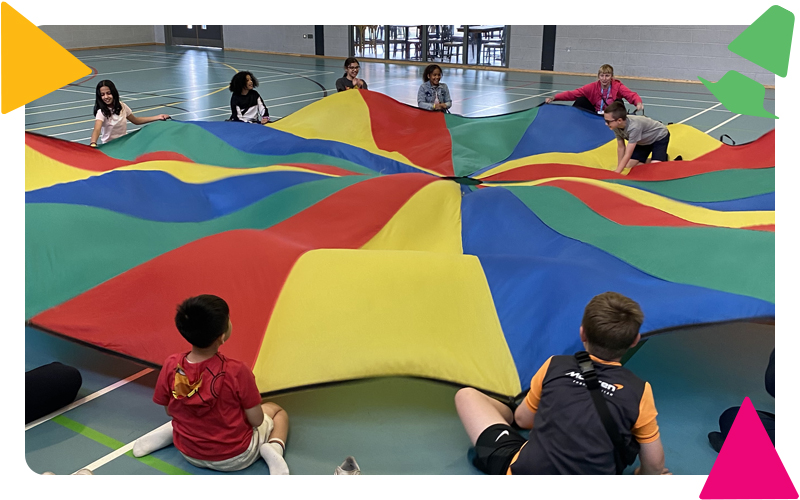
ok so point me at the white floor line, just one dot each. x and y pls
(182, 93)
(111, 456)
(240, 61)
(676, 99)
(76, 91)
(88, 398)
(272, 99)
(721, 124)
(188, 113)
(128, 96)
(101, 56)
(651, 105)
(136, 70)
(507, 103)
(202, 111)
(150, 59)
(700, 113)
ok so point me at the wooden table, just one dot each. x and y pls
(480, 30)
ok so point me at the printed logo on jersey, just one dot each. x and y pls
(608, 389)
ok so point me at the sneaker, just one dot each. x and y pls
(348, 468)
(716, 440)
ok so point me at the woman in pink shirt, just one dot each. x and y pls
(596, 96)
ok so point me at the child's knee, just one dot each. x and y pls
(465, 395)
(272, 409)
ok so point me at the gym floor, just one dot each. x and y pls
(391, 425)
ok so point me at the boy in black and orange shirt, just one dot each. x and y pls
(567, 434)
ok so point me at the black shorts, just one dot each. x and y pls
(495, 448)
(658, 148)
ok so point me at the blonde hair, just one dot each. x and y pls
(606, 68)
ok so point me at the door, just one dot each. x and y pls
(198, 35)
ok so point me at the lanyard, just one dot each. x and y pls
(604, 98)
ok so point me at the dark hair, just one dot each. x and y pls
(349, 61)
(428, 70)
(202, 319)
(99, 105)
(617, 110)
(239, 81)
(611, 322)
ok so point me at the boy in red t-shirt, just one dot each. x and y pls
(218, 421)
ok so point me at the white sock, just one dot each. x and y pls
(153, 440)
(278, 444)
(272, 453)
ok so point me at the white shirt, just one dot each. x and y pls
(114, 126)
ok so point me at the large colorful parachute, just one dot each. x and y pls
(351, 239)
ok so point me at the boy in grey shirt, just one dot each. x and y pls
(644, 136)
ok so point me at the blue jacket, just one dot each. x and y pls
(425, 95)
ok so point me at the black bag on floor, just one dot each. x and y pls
(48, 388)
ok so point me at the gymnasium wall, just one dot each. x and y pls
(525, 47)
(336, 41)
(77, 37)
(159, 33)
(285, 39)
(671, 52)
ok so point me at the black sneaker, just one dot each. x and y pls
(716, 440)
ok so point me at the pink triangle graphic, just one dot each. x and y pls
(748, 465)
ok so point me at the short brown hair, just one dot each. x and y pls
(617, 110)
(611, 322)
(606, 68)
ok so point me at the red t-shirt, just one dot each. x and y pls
(207, 405)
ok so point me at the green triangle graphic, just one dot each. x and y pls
(739, 94)
(767, 41)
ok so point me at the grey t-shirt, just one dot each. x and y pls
(343, 84)
(642, 130)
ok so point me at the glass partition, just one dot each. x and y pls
(474, 45)
(367, 41)
(405, 42)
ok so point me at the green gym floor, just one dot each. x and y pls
(391, 425)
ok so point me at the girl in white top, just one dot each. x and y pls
(111, 116)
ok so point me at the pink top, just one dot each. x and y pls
(594, 92)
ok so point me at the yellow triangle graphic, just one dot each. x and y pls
(25, 50)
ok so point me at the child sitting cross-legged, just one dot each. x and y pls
(218, 421)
